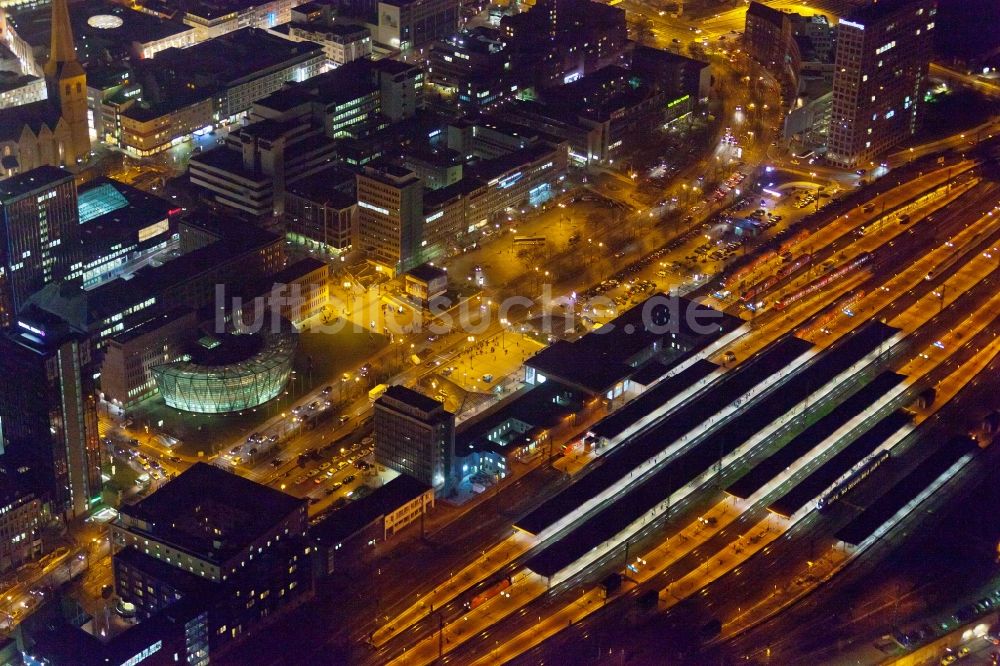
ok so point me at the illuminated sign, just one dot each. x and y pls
(145, 654)
(34, 330)
(435, 216)
(679, 100)
(377, 209)
(153, 230)
(509, 180)
(852, 24)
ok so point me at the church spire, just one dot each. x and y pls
(62, 50)
(66, 82)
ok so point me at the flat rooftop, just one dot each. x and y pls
(905, 490)
(31, 181)
(632, 452)
(214, 513)
(230, 59)
(538, 406)
(347, 521)
(810, 487)
(601, 358)
(701, 456)
(851, 408)
(655, 397)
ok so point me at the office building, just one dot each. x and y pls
(344, 539)
(40, 234)
(558, 41)
(414, 435)
(22, 517)
(49, 416)
(401, 88)
(105, 31)
(342, 42)
(321, 211)
(216, 254)
(235, 548)
(215, 19)
(883, 52)
(213, 82)
(390, 217)
(17, 89)
(408, 24)
(477, 64)
(129, 357)
(251, 173)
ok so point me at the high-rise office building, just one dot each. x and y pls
(390, 216)
(48, 417)
(883, 51)
(414, 435)
(39, 229)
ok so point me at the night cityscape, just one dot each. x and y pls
(539, 332)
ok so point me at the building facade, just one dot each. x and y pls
(883, 53)
(390, 217)
(40, 225)
(129, 358)
(415, 435)
(49, 416)
(235, 548)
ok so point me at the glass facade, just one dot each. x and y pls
(217, 389)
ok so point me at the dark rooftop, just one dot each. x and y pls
(655, 397)
(761, 10)
(805, 441)
(878, 9)
(355, 516)
(633, 451)
(30, 181)
(212, 512)
(326, 187)
(696, 459)
(905, 490)
(410, 397)
(539, 406)
(609, 349)
(426, 272)
(233, 57)
(810, 487)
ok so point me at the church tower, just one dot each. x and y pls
(67, 85)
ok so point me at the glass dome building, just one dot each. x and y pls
(229, 372)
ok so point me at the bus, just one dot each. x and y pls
(529, 240)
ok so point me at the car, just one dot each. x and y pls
(341, 420)
(963, 652)
(948, 659)
(318, 480)
(325, 466)
(341, 464)
(329, 491)
(275, 463)
(367, 440)
(174, 459)
(336, 485)
(311, 473)
(300, 479)
(349, 479)
(327, 390)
